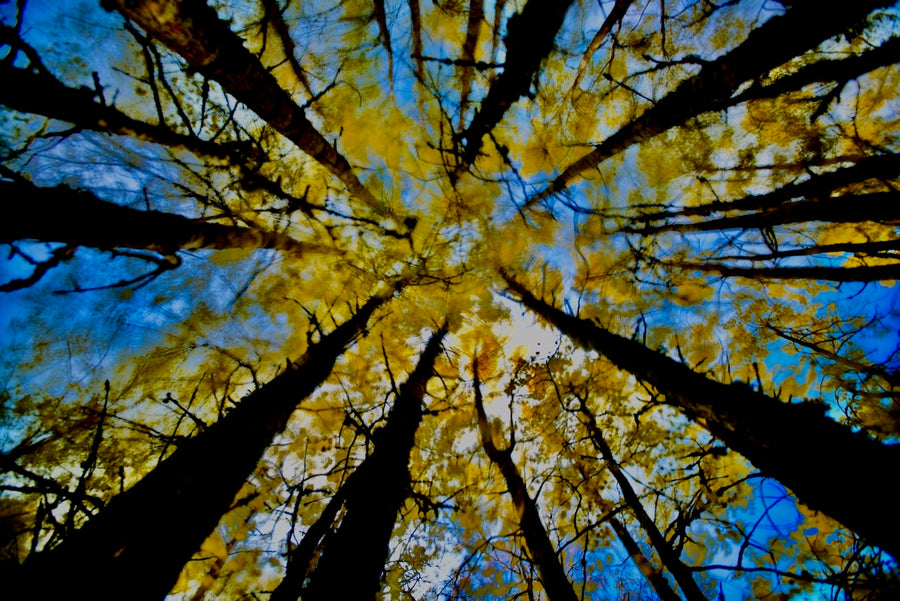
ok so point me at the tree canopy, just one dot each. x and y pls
(436, 299)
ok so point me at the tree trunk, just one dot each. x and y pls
(529, 39)
(37, 92)
(653, 575)
(860, 273)
(467, 57)
(138, 544)
(194, 31)
(77, 217)
(851, 208)
(840, 71)
(884, 166)
(882, 250)
(615, 16)
(300, 558)
(713, 87)
(354, 556)
(682, 573)
(550, 570)
(829, 467)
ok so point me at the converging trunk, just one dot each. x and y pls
(138, 544)
(667, 554)
(354, 556)
(712, 89)
(79, 218)
(529, 39)
(829, 467)
(653, 575)
(550, 570)
(194, 31)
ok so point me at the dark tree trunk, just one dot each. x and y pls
(850, 208)
(615, 16)
(138, 544)
(682, 573)
(550, 570)
(384, 33)
(840, 71)
(885, 249)
(195, 32)
(275, 16)
(862, 273)
(653, 575)
(354, 556)
(79, 218)
(886, 166)
(529, 39)
(300, 558)
(829, 467)
(467, 56)
(33, 91)
(712, 89)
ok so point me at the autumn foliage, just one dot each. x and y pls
(444, 299)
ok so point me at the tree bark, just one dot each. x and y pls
(77, 217)
(354, 556)
(194, 31)
(467, 56)
(138, 544)
(385, 34)
(885, 249)
(653, 575)
(550, 570)
(614, 17)
(529, 39)
(682, 573)
(829, 467)
(881, 207)
(713, 87)
(884, 166)
(862, 273)
(300, 558)
(275, 16)
(39, 93)
(840, 71)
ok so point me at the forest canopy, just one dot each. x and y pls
(445, 299)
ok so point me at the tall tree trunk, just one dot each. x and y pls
(712, 89)
(275, 16)
(859, 273)
(882, 166)
(35, 91)
(614, 17)
(467, 57)
(682, 573)
(840, 71)
(194, 31)
(884, 249)
(79, 218)
(830, 468)
(384, 33)
(529, 39)
(653, 575)
(138, 544)
(354, 556)
(849, 208)
(301, 557)
(550, 570)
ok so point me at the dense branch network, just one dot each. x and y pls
(320, 427)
